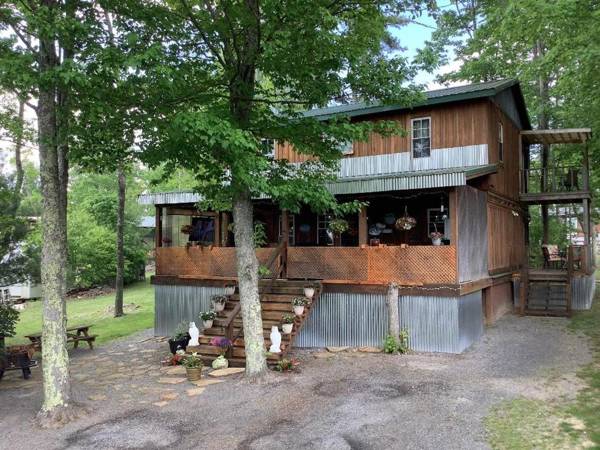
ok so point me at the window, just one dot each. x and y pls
(268, 146)
(421, 137)
(291, 228)
(500, 142)
(324, 234)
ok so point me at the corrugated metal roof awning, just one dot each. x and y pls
(558, 136)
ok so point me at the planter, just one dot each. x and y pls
(287, 328)
(437, 241)
(193, 374)
(218, 307)
(229, 290)
(298, 310)
(309, 292)
(220, 363)
(207, 324)
(178, 344)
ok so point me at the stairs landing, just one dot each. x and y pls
(548, 293)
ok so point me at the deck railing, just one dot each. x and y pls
(413, 265)
(555, 179)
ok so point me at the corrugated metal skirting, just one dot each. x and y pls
(583, 289)
(174, 304)
(434, 324)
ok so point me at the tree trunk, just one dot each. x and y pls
(393, 314)
(543, 122)
(18, 160)
(57, 407)
(120, 234)
(247, 269)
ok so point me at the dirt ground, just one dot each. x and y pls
(345, 400)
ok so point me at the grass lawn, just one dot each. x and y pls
(533, 424)
(96, 311)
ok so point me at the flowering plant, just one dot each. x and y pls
(220, 299)
(192, 361)
(436, 235)
(299, 301)
(208, 315)
(287, 318)
(222, 343)
(176, 359)
(287, 365)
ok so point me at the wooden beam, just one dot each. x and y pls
(217, 232)
(157, 227)
(453, 211)
(285, 225)
(224, 229)
(362, 226)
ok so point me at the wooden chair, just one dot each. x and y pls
(553, 257)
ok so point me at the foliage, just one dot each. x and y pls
(260, 235)
(181, 331)
(287, 318)
(176, 359)
(222, 343)
(286, 365)
(403, 341)
(390, 344)
(13, 230)
(8, 319)
(208, 315)
(192, 361)
(300, 301)
(338, 226)
(264, 271)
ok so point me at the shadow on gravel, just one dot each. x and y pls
(134, 431)
(376, 391)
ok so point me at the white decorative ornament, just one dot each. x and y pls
(275, 340)
(194, 334)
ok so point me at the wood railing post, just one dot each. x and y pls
(524, 287)
(568, 290)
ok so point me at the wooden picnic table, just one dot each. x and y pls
(74, 334)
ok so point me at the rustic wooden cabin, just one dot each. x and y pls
(461, 171)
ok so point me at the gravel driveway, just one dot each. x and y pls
(346, 400)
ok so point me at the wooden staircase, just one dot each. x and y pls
(276, 300)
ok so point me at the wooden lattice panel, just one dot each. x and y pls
(328, 263)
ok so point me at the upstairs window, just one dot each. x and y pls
(500, 142)
(268, 147)
(346, 148)
(421, 137)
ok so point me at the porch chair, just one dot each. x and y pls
(553, 257)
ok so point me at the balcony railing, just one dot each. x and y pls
(555, 179)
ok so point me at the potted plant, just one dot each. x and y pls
(207, 318)
(223, 345)
(229, 289)
(299, 303)
(436, 238)
(8, 319)
(218, 302)
(287, 323)
(180, 337)
(193, 366)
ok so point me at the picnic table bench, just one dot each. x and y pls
(74, 335)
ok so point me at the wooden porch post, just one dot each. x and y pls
(453, 211)
(362, 226)
(158, 227)
(217, 238)
(586, 234)
(285, 225)
(224, 229)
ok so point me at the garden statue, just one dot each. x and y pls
(194, 334)
(275, 340)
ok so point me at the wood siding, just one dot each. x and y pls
(452, 125)
(506, 234)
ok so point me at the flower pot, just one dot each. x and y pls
(437, 241)
(229, 290)
(287, 328)
(299, 310)
(220, 363)
(178, 344)
(207, 323)
(309, 292)
(193, 374)
(218, 307)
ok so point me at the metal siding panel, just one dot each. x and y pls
(473, 231)
(470, 319)
(583, 289)
(173, 304)
(431, 322)
(342, 319)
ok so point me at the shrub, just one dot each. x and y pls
(8, 319)
(390, 344)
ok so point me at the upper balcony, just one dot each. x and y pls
(557, 183)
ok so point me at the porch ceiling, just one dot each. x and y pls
(558, 136)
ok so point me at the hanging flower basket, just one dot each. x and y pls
(406, 222)
(187, 229)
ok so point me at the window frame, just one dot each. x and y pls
(324, 219)
(430, 213)
(413, 138)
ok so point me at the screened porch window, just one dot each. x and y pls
(421, 137)
(324, 234)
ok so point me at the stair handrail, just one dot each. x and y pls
(278, 254)
(228, 325)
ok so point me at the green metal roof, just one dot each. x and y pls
(435, 97)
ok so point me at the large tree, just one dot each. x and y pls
(228, 74)
(39, 49)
